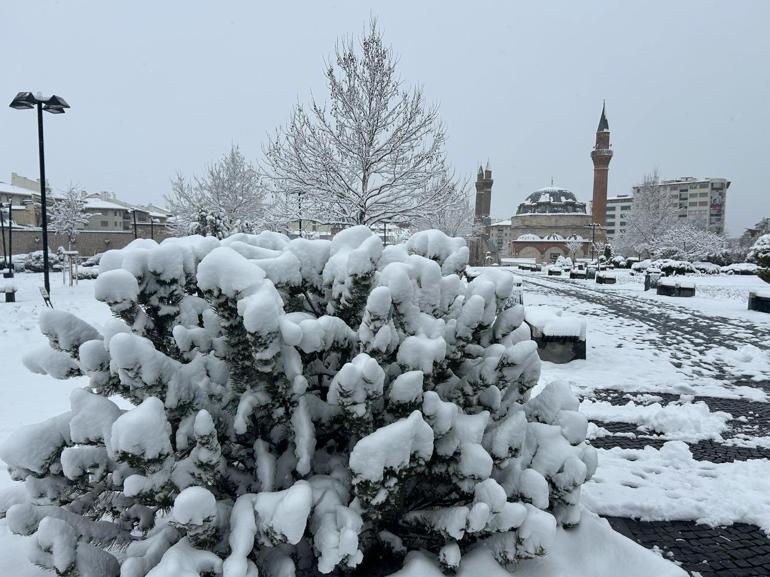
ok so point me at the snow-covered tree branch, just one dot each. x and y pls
(374, 153)
(229, 198)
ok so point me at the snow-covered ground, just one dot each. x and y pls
(654, 484)
(627, 355)
(26, 397)
(725, 295)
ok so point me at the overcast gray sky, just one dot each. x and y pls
(157, 87)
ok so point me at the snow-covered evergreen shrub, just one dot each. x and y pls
(760, 254)
(298, 406)
(33, 262)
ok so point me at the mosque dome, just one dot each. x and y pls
(552, 200)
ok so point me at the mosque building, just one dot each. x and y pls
(552, 222)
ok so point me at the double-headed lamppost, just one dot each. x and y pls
(55, 105)
(593, 226)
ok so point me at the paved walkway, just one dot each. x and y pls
(685, 334)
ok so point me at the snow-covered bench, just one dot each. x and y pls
(529, 266)
(605, 278)
(577, 273)
(559, 339)
(759, 301)
(10, 291)
(676, 287)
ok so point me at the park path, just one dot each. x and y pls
(685, 335)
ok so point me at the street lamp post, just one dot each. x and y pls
(10, 237)
(55, 105)
(299, 203)
(593, 226)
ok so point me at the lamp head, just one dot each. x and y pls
(55, 105)
(24, 100)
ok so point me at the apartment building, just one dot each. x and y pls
(618, 209)
(698, 201)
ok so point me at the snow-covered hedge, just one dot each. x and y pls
(33, 261)
(299, 406)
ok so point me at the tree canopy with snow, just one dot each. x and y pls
(653, 213)
(294, 408)
(229, 198)
(688, 242)
(67, 214)
(375, 152)
(653, 228)
(760, 254)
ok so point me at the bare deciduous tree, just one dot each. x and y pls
(653, 213)
(229, 198)
(375, 153)
(573, 246)
(455, 218)
(67, 214)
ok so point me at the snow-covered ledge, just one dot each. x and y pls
(559, 339)
(759, 301)
(9, 289)
(676, 287)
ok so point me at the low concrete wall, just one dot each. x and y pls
(88, 242)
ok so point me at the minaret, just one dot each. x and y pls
(601, 156)
(483, 193)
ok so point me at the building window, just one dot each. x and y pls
(104, 223)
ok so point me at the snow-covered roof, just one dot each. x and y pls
(101, 204)
(13, 189)
(551, 200)
(502, 223)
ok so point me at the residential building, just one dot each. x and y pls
(618, 209)
(24, 195)
(698, 201)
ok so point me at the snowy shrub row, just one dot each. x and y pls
(298, 407)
